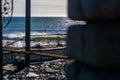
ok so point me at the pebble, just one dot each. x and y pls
(49, 70)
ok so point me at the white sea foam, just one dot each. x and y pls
(33, 43)
(14, 35)
(38, 33)
(17, 44)
(21, 34)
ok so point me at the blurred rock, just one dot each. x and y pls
(48, 70)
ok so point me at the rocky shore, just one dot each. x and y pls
(48, 70)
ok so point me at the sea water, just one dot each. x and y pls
(39, 26)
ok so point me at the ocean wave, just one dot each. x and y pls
(14, 35)
(33, 43)
(39, 33)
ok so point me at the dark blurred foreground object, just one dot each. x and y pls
(20, 63)
(94, 9)
(96, 45)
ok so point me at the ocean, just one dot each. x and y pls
(39, 26)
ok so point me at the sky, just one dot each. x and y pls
(42, 8)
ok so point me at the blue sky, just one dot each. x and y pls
(42, 8)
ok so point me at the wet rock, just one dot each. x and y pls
(9, 67)
(49, 70)
(19, 62)
(32, 66)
